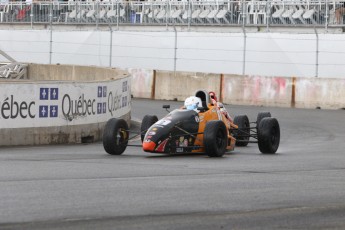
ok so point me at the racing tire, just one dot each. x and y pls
(243, 132)
(215, 138)
(268, 135)
(115, 136)
(261, 115)
(146, 123)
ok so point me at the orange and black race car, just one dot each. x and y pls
(204, 130)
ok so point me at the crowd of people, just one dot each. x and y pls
(336, 10)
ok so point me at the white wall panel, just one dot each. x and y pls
(267, 54)
(81, 47)
(281, 54)
(210, 52)
(143, 50)
(332, 55)
(26, 45)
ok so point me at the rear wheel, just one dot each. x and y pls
(261, 115)
(243, 132)
(268, 135)
(215, 138)
(115, 136)
(147, 122)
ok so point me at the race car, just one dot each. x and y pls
(204, 129)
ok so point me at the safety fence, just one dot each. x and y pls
(320, 13)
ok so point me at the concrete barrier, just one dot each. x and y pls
(170, 86)
(256, 90)
(62, 104)
(320, 93)
(72, 73)
(326, 93)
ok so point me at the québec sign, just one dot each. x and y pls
(57, 104)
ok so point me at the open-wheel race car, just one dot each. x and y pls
(204, 129)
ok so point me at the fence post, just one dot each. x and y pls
(244, 51)
(189, 15)
(268, 15)
(32, 14)
(111, 45)
(175, 50)
(51, 33)
(118, 15)
(244, 14)
(326, 16)
(167, 11)
(97, 14)
(317, 54)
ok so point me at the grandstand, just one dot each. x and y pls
(321, 13)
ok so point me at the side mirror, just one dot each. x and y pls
(166, 107)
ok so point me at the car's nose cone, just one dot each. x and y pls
(149, 146)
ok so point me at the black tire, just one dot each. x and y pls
(243, 132)
(147, 122)
(261, 115)
(115, 136)
(268, 135)
(215, 138)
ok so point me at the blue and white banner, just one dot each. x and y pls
(24, 105)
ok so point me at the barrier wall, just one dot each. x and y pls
(73, 110)
(248, 90)
(169, 86)
(256, 67)
(73, 72)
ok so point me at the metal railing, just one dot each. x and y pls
(14, 70)
(186, 13)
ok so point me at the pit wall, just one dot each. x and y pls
(73, 106)
(242, 90)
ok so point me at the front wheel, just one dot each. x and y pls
(115, 136)
(147, 122)
(268, 135)
(215, 138)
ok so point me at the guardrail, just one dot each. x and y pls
(321, 13)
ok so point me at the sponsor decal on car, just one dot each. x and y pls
(163, 122)
(182, 142)
(179, 150)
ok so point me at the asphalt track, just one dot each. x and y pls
(81, 187)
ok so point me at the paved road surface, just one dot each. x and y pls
(81, 187)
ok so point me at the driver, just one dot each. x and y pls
(192, 103)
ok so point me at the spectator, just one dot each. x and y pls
(339, 13)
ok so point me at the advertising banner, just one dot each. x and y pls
(45, 104)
